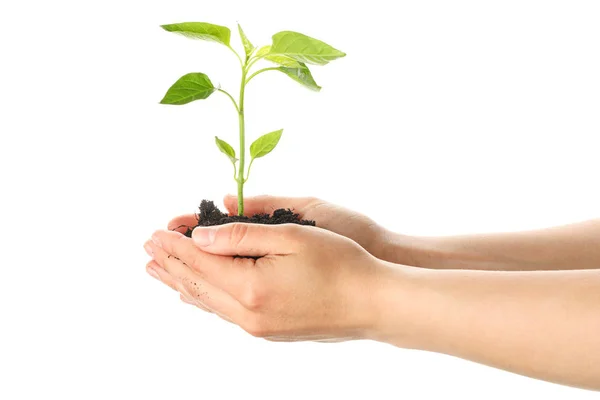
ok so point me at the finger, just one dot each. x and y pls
(166, 278)
(194, 303)
(159, 273)
(225, 273)
(202, 307)
(244, 239)
(186, 300)
(267, 204)
(192, 286)
(182, 222)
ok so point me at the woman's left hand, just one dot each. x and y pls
(279, 282)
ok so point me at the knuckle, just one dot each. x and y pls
(197, 261)
(178, 244)
(254, 296)
(186, 253)
(237, 233)
(292, 232)
(314, 203)
(314, 200)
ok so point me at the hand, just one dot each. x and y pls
(303, 283)
(358, 227)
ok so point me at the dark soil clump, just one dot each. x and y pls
(210, 215)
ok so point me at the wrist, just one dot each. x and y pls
(398, 306)
(405, 250)
(429, 252)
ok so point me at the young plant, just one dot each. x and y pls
(289, 51)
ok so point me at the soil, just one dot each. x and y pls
(210, 215)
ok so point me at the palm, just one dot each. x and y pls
(340, 220)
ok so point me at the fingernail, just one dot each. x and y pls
(148, 249)
(204, 236)
(153, 273)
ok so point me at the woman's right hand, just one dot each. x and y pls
(353, 225)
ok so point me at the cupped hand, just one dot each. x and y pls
(280, 282)
(353, 225)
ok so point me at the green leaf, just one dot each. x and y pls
(301, 75)
(265, 144)
(190, 87)
(304, 48)
(202, 31)
(226, 149)
(284, 61)
(262, 51)
(248, 47)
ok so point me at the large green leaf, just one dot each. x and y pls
(226, 149)
(248, 47)
(301, 75)
(190, 87)
(284, 61)
(265, 144)
(202, 31)
(304, 48)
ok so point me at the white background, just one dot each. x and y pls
(444, 118)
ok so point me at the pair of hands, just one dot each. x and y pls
(303, 283)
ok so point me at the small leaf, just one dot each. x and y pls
(190, 87)
(304, 48)
(301, 75)
(202, 31)
(248, 47)
(263, 51)
(284, 61)
(265, 144)
(226, 149)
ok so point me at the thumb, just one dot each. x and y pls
(243, 239)
(266, 204)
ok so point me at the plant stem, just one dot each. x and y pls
(237, 55)
(240, 177)
(260, 71)
(253, 61)
(248, 173)
(232, 99)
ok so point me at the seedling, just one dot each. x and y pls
(290, 52)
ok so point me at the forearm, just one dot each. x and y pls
(540, 324)
(575, 246)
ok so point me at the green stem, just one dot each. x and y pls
(249, 168)
(237, 55)
(232, 99)
(253, 61)
(240, 177)
(261, 71)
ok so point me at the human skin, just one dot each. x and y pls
(525, 316)
(573, 246)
